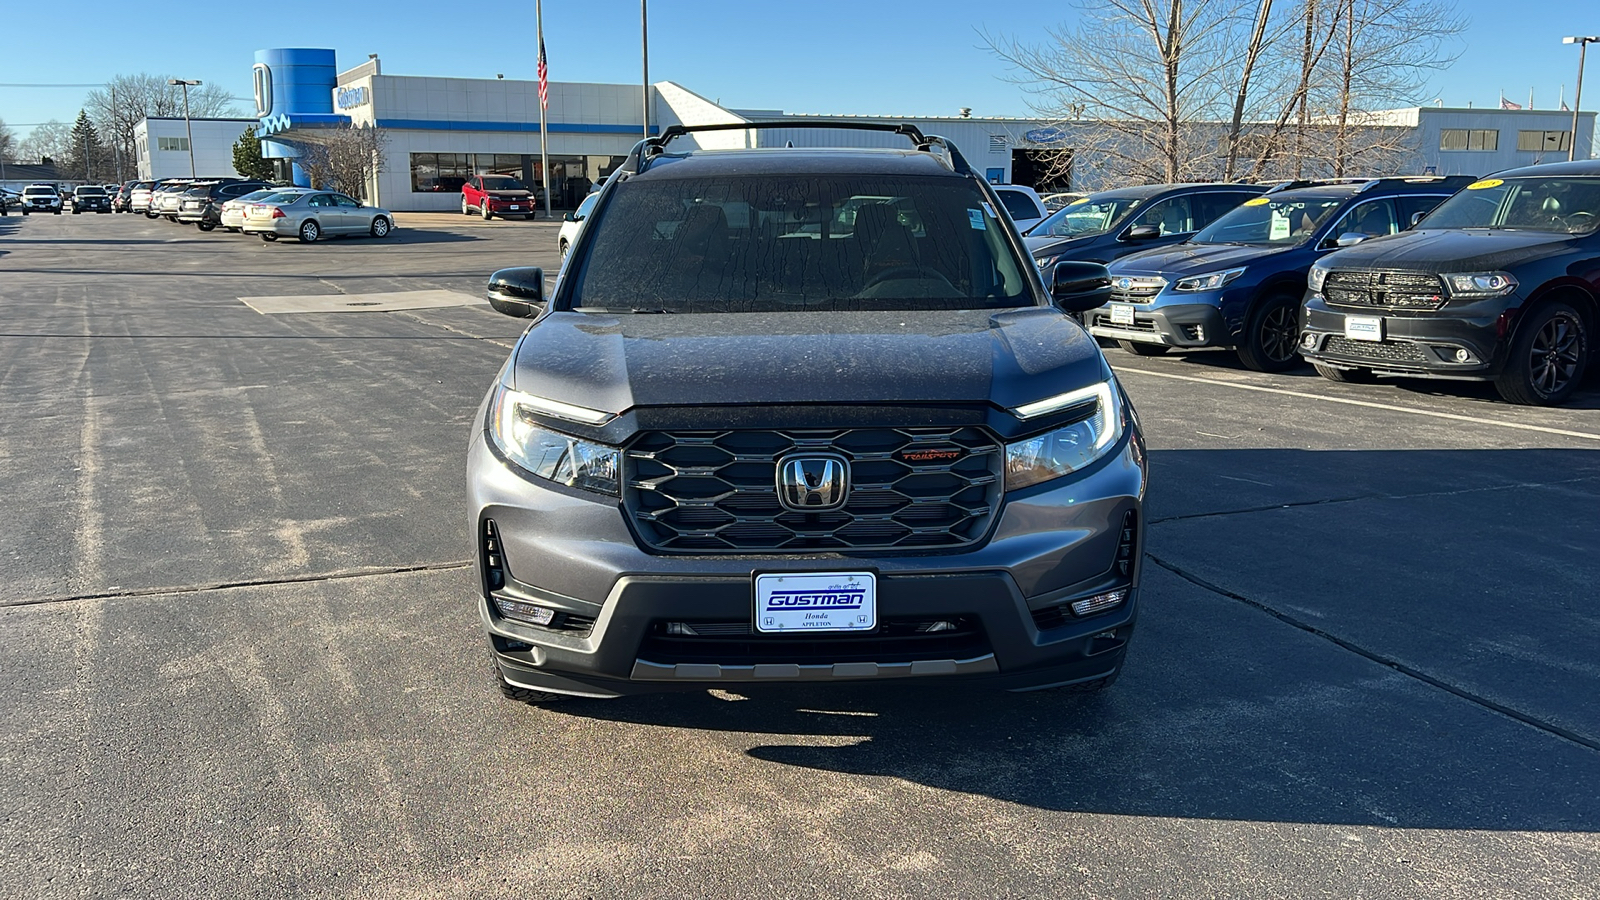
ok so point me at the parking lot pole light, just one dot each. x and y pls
(644, 49)
(187, 129)
(1577, 97)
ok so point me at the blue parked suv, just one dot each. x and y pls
(1238, 283)
(1112, 224)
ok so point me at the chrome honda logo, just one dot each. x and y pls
(813, 483)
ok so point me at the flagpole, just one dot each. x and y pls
(544, 133)
(644, 46)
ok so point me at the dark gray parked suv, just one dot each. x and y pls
(795, 415)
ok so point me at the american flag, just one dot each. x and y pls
(1507, 104)
(544, 76)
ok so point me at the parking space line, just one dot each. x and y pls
(1369, 404)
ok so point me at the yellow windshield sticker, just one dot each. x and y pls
(1079, 200)
(1257, 201)
(1486, 183)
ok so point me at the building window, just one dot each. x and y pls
(172, 143)
(1544, 141)
(1469, 139)
(440, 173)
(571, 177)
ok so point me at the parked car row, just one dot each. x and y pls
(1494, 279)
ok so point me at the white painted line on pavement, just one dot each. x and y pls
(1367, 403)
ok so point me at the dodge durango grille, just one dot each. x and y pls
(1398, 290)
(910, 488)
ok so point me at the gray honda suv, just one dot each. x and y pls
(794, 415)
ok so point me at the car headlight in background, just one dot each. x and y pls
(1070, 448)
(549, 454)
(1209, 281)
(1316, 277)
(1479, 285)
(1045, 262)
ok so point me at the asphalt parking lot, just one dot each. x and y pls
(238, 656)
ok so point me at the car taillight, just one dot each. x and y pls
(277, 213)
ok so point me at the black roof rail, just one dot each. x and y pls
(1450, 181)
(1313, 182)
(639, 157)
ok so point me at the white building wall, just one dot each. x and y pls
(213, 147)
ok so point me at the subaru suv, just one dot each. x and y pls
(1501, 283)
(750, 439)
(1238, 282)
(1109, 225)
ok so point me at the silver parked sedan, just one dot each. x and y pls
(310, 215)
(232, 213)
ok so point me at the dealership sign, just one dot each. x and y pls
(1049, 135)
(350, 98)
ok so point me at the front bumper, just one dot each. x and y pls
(1416, 343)
(1176, 325)
(1052, 544)
(506, 207)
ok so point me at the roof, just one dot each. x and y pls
(795, 161)
(1576, 167)
(1142, 191)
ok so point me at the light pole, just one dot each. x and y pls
(1577, 98)
(644, 46)
(187, 129)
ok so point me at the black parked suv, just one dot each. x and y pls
(1239, 282)
(1109, 225)
(201, 205)
(1500, 283)
(803, 415)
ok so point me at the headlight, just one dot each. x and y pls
(1045, 262)
(1208, 282)
(1317, 275)
(1068, 449)
(1476, 285)
(549, 454)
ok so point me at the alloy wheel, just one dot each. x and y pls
(1554, 357)
(1280, 332)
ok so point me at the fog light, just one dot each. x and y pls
(523, 611)
(1099, 602)
(1463, 356)
(929, 627)
(1308, 341)
(680, 629)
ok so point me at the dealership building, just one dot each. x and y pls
(441, 131)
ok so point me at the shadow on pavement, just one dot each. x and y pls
(1227, 712)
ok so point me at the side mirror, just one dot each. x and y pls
(567, 217)
(1417, 217)
(1080, 286)
(1350, 239)
(1142, 233)
(517, 292)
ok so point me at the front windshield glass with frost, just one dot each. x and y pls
(818, 243)
(1086, 217)
(502, 183)
(91, 191)
(1559, 205)
(1280, 221)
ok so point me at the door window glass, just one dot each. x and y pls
(1170, 215)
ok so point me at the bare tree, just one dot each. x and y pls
(346, 158)
(8, 142)
(149, 96)
(51, 140)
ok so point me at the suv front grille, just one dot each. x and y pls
(1398, 351)
(1399, 290)
(896, 640)
(716, 491)
(1138, 289)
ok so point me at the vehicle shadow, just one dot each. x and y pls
(1225, 711)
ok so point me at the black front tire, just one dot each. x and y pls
(519, 694)
(1547, 359)
(204, 226)
(1140, 348)
(269, 238)
(380, 227)
(1271, 338)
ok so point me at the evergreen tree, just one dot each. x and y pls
(86, 155)
(247, 160)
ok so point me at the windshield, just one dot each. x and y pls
(284, 197)
(1282, 221)
(502, 183)
(38, 190)
(1086, 216)
(766, 244)
(256, 195)
(1560, 205)
(91, 190)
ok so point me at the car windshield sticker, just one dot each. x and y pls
(1257, 201)
(989, 208)
(1280, 226)
(975, 216)
(1486, 183)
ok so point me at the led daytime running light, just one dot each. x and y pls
(564, 410)
(1100, 392)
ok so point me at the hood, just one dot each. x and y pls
(1009, 357)
(1449, 250)
(1038, 245)
(509, 195)
(1192, 259)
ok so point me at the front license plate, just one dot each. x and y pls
(1121, 314)
(1363, 328)
(816, 601)
(514, 207)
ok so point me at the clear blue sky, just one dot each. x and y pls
(819, 56)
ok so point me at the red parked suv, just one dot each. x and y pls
(497, 195)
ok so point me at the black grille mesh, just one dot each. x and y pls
(1398, 351)
(911, 488)
(1397, 290)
